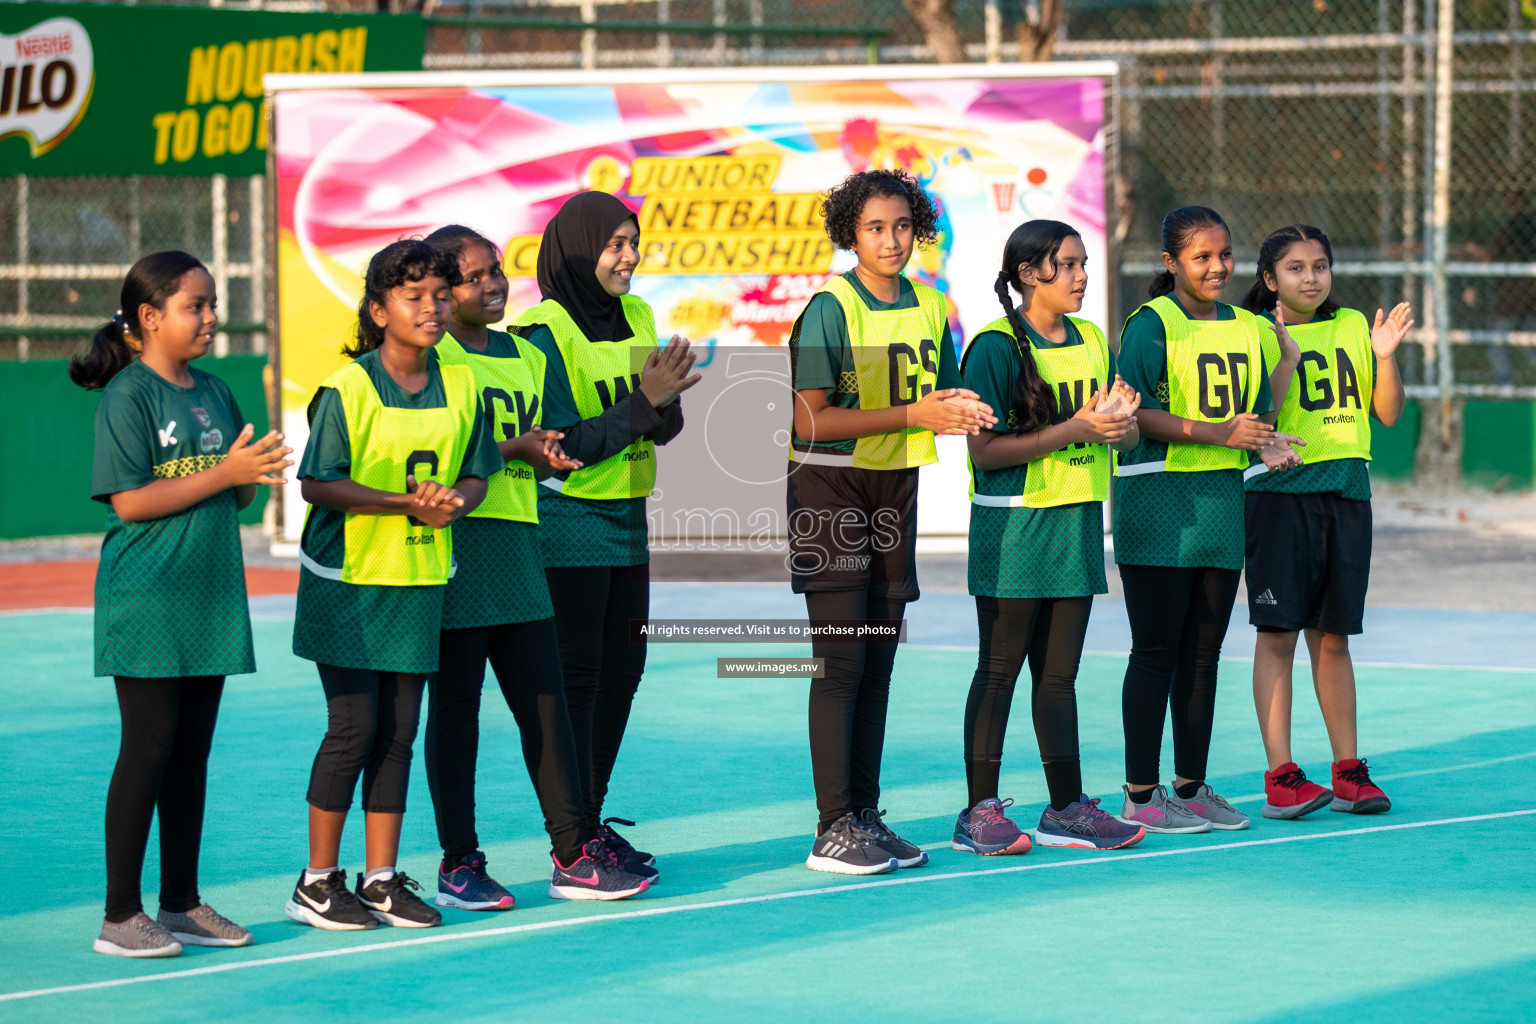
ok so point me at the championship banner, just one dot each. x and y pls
(725, 170)
(98, 90)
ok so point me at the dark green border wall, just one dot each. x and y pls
(46, 421)
(1498, 447)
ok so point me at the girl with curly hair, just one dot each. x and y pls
(876, 378)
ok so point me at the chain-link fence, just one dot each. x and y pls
(1320, 111)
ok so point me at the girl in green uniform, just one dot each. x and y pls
(875, 378)
(397, 452)
(497, 607)
(1036, 534)
(175, 462)
(1312, 568)
(1199, 366)
(613, 394)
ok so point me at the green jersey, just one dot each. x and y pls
(500, 569)
(170, 592)
(822, 355)
(1349, 478)
(1021, 552)
(1174, 519)
(385, 628)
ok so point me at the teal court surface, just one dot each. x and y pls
(1423, 913)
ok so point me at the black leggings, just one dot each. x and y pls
(1178, 621)
(602, 666)
(1050, 632)
(848, 704)
(372, 718)
(527, 665)
(162, 763)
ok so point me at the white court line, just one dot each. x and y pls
(570, 922)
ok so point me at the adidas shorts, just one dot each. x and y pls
(853, 529)
(1308, 561)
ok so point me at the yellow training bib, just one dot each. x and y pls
(602, 373)
(1328, 404)
(1077, 473)
(387, 445)
(1213, 371)
(896, 362)
(510, 390)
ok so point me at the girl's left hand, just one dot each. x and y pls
(436, 505)
(1289, 350)
(541, 450)
(1280, 453)
(1390, 329)
(1121, 399)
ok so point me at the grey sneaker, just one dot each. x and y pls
(1215, 810)
(204, 926)
(872, 823)
(138, 937)
(1163, 813)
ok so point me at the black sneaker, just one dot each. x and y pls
(328, 903)
(872, 823)
(621, 845)
(846, 850)
(391, 901)
(594, 875)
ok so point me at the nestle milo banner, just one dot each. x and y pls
(88, 89)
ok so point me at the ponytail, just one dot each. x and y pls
(150, 281)
(1261, 298)
(1034, 243)
(1178, 227)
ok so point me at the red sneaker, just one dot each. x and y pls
(1353, 790)
(1288, 794)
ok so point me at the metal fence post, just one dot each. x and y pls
(993, 21)
(258, 189)
(23, 257)
(219, 201)
(1444, 52)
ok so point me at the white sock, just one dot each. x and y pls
(313, 875)
(378, 875)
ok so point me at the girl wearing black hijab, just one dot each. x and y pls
(613, 393)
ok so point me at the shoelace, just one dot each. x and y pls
(875, 824)
(399, 883)
(334, 887)
(992, 815)
(1357, 774)
(613, 838)
(1293, 779)
(1091, 809)
(603, 852)
(1219, 800)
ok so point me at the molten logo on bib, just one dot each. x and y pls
(46, 77)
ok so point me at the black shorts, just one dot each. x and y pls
(1309, 561)
(853, 529)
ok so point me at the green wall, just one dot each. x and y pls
(46, 421)
(1498, 447)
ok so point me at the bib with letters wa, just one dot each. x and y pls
(387, 445)
(896, 362)
(602, 373)
(1328, 405)
(510, 390)
(1213, 368)
(1081, 471)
